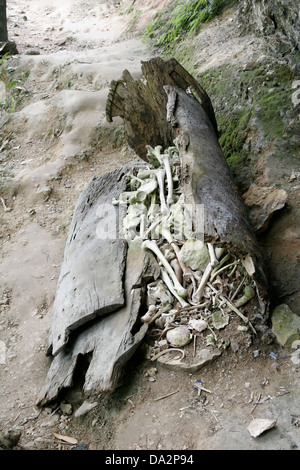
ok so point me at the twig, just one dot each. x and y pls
(168, 395)
(6, 209)
(256, 403)
(237, 289)
(229, 304)
(213, 413)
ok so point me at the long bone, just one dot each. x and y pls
(160, 175)
(165, 158)
(213, 259)
(187, 273)
(151, 245)
(139, 195)
(166, 279)
(206, 275)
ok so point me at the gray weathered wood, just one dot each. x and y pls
(89, 284)
(111, 340)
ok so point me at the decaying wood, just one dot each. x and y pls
(99, 293)
(88, 284)
(142, 103)
(110, 341)
(169, 105)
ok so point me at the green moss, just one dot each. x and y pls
(178, 19)
(238, 95)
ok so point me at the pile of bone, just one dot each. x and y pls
(200, 287)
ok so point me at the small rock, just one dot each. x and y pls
(194, 254)
(9, 439)
(81, 446)
(198, 325)
(45, 191)
(219, 319)
(179, 336)
(285, 325)
(242, 328)
(258, 426)
(2, 353)
(262, 203)
(151, 372)
(85, 408)
(66, 408)
(32, 52)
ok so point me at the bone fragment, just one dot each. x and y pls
(205, 277)
(154, 152)
(149, 314)
(6, 209)
(151, 245)
(213, 258)
(166, 161)
(160, 175)
(229, 304)
(215, 273)
(167, 350)
(249, 293)
(167, 281)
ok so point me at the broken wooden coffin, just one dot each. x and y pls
(99, 293)
(171, 110)
(168, 107)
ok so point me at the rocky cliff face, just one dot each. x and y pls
(266, 17)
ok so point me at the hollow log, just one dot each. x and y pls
(168, 106)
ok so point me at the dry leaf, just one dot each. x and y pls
(70, 440)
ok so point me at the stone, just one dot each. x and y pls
(194, 254)
(260, 425)
(179, 336)
(198, 325)
(85, 408)
(262, 202)
(66, 408)
(9, 439)
(219, 319)
(45, 191)
(285, 325)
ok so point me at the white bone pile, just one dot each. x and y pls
(201, 287)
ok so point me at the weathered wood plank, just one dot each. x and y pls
(111, 340)
(89, 284)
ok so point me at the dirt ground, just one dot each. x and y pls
(55, 141)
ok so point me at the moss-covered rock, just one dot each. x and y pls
(285, 325)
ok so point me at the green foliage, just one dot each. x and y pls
(9, 101)
(181, 18)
